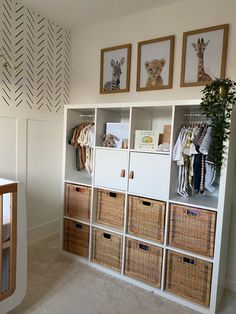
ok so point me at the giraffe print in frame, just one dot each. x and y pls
(200, 47)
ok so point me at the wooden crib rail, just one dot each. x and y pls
(10, 188)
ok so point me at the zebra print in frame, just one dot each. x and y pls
(38, 51)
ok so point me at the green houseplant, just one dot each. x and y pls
(216, 104)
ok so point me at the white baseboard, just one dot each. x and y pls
(230, 284)
(43, 230)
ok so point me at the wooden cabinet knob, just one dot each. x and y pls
(131, 174)
(122, 173)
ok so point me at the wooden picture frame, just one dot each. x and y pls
(204, 55)
(115, 65)
(155, 55)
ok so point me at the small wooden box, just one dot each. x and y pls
(76, 238)
(189, 277)
(110, 208)
(146, 218)
(192, 229)
(165, 136)
(77, 202)
(144, 262)
(107, 249)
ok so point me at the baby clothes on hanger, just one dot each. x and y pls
(83, 140)
(183, 156)
(210, 176)
(91, 144)
(202, 176)
(179, 147)
(74, 143)
(206, 142)
(86, 140)
(195, 173)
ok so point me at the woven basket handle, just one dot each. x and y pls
(188, 261)
(79, 189)
(143, 247)
(107, 236)
(112, 194)
(78, 226)
(192, 212)
(146, 203)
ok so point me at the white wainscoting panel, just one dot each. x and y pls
(8, 148)
(44, 151)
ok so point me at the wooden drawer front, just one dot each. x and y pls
(110, 208)
(107, 249)
(78, 200)
(144, 262)
(76, 238)
(189, 277)
(146, 218)
(192, 229)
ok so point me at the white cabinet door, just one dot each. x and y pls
(111, 168)
(149, 175)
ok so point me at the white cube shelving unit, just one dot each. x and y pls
(154, 177)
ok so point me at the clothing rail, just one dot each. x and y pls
(8, 189)
(194, 114)
(196, 117)
(87, 115)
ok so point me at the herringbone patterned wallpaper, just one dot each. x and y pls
(39, 49)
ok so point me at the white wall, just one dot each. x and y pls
(174, 19)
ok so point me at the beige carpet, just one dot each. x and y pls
(57, 284)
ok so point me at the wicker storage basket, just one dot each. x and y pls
(110, 208)
(78, 200)
(146, 218)
(189, 277)
(192, 229)
(76, 238)
(144, 262)
(107, 249)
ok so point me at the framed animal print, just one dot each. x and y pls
(204, 55)
(115, 69)
(155, 64)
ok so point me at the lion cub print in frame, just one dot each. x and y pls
(155, 64)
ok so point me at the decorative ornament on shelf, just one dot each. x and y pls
(217, 104)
